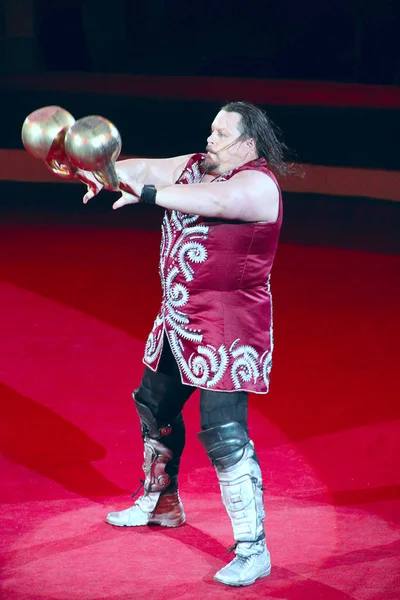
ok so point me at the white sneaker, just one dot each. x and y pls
(245, 570)
(153, 508)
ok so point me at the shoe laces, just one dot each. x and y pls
(143, 501)
(242, 561)
(139, 488)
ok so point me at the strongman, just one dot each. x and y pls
(214, 328)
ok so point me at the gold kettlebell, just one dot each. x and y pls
(43, 136)
(93, 144)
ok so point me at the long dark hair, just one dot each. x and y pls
(269, 145)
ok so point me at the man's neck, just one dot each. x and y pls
(218, 172)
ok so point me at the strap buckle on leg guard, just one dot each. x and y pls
(150, 427)
(235, 545)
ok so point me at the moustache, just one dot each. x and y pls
(226, 147)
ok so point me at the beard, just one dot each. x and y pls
(210, 163)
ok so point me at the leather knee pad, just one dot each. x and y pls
(225, 444)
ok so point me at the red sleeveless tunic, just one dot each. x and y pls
(216, 306)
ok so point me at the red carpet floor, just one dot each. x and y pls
(76, 306)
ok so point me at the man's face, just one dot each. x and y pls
(225, 151)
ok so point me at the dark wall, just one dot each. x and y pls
(341, 40)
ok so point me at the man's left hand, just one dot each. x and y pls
(125, 198)
(130, 190)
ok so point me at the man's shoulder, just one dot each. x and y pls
(262, 175)
(198, 157)
(190, 167)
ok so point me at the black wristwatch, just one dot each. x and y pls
(148, 195)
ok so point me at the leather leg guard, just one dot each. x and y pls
(160, 503)
(239, 475)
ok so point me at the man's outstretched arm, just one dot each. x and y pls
(247, 196)
(161, 171)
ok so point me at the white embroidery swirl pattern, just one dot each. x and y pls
(196, 253)
(154, 341)
(245, 365)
